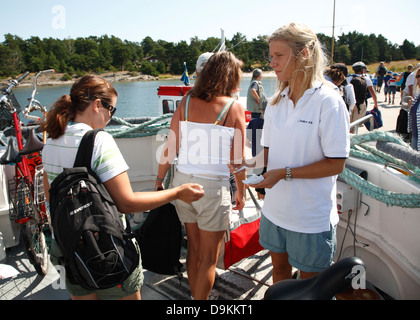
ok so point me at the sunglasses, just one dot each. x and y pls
(110, 107)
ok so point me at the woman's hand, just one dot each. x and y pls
(239, 202)
(190, 192)
(159, 185)
(270, 179)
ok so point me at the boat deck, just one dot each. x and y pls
(27, 285)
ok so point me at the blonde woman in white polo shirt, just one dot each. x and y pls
(306, 140)
(90, 105)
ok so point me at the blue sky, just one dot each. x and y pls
(176, 20)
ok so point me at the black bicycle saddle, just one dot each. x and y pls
(11, 155)
(323, 286)
(33, 143)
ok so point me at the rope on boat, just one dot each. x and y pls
(148, 128)
(360, 149)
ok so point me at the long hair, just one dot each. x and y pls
(221, 76)
(82, 93)
(308, 54)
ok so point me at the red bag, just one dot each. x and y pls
(242, 239)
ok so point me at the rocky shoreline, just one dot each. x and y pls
(54, 79)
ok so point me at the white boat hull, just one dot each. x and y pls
(386, 237)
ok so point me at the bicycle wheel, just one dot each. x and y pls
(33, 231)
(36, 245)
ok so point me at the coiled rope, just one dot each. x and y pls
(148, 128)
(360, 149)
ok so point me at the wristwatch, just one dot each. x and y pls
(288, 174)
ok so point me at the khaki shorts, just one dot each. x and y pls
(212, 212)
(356, 114)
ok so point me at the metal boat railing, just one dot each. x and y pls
(356, 123)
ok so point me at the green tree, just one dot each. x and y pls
(342, 54)
(408, 49)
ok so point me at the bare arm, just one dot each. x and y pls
(320, 169)
(255, 95)
(238, 151)
(373, 94)
(128, 201)
(170, 150)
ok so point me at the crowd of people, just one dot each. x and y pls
(305, 142)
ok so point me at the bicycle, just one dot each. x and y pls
(28, 207)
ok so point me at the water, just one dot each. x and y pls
(135, 99)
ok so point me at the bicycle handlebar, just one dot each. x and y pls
(34, 105)
(47, 71)
(13, 83)
(23, 76)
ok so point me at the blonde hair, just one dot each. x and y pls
(308, 53)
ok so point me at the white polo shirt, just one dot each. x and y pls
(318, 127)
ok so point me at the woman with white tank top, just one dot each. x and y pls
(207, 132)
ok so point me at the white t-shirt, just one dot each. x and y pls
(411, 80)
(107, 160)
(318, 127)
(369, 82)
(350, 96)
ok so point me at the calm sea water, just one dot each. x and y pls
(135, 99)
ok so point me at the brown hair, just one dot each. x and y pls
(221, 76)
(336, 75)
(82, 93)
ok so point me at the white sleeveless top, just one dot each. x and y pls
(205, 147)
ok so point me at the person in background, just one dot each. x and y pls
(414, 122)
(380, 74)
(208, 110)
(306, 142)
(410, 83)
(410, 91)
(404, 77)
(386, 88)
(256, 99)
(360, 69)
(90, 105)
(254, 134)
(201, 61)
(346, 89)
(392, 87)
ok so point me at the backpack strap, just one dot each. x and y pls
(84, 153)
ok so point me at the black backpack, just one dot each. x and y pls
(360, 89)
(98, 252)
(160, 241)
(382, 71)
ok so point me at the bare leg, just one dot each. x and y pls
(134, 296)
(92, 296)
(192, 253)
(306, 275)
(281, 267)
(208, 253)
